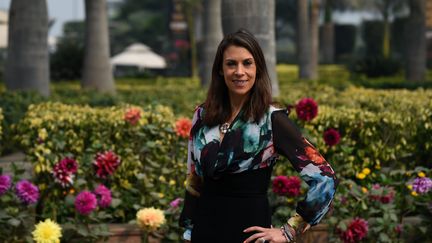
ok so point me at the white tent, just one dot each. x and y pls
(139, 55)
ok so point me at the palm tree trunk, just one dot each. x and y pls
(416, 42)
(97, 74)
(212, 33)
(258, 16)
(27, 64)
(303, 41)
(328, 35)
(314, 36)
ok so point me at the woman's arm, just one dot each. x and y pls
(313, 168)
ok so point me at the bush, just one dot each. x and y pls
(376, 66)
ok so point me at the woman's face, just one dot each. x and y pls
(239, 71)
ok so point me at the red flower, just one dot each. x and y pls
(181, 44)
(183, 127)
(381, 194)
(106, 163)
(356, 231)
(307, 109)
(286, 186)
(69, 165)
(132, 115)
(331, 137)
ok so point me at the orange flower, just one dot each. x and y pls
(132, 115)
(183, 127)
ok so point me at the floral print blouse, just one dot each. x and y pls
(249, 146)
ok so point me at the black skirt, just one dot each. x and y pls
(230, 204)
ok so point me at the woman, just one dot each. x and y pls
(235, 139)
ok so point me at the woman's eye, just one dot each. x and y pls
(230, 63)
(247, 63)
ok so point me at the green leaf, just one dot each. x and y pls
(14, 222)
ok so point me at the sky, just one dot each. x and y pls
(60, 10)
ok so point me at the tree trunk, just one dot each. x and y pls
(328, 35)
(303, 41)
(386, 38)
(97, 74)
(27, 64)
(212, 33)
(416, 42)
(257, 16)
(314, 36)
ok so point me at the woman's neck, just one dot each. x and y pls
(236, 105)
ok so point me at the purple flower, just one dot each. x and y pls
(422, 185)
(85, 202)
(5, 183)
(103, 195)
(176, 202)
(27, 192)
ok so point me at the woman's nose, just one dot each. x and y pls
(239, 71)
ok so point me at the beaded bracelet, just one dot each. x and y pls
(287, 233)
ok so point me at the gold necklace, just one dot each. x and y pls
(223, 128)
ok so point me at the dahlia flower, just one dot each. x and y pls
(106, 163)
(132, 115)
(307, 109)
(286, 186)
(331, 137)
(47, 232)
(5, 183)
(27, 192)
(356, 231)
(183, 127)
(103, 195)
(85, 202)
(176, 202)
(150, 218)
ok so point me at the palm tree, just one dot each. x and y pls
(212, 34)
(97, 74)
(303, 40)
(27, 64)
(314, 38)
(258, 16)
(416, 41)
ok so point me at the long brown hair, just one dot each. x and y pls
(217, 105)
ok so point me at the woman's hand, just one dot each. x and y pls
(272, 235)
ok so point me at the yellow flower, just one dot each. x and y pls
(414, 193)
(162, 178)
(161, 195)
(361, 176)
(43, 134)
(421, 174)
(47, 232)
(409, 187)
(366, 171)
(172, 182)
(150, 218)
(364, 189)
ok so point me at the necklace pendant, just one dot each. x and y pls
(223, 128)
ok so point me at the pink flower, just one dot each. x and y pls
(183, 127)
(27, 192)
(5, 183)
(103, 195)
(331, 137)
(106, 163)
(85, 202)
(383, 194)
(307, 109)
(62, 176)
(132, 115)
(422, 185)
(356, 231)
(176, 202)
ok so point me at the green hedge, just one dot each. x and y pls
(153, 167)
